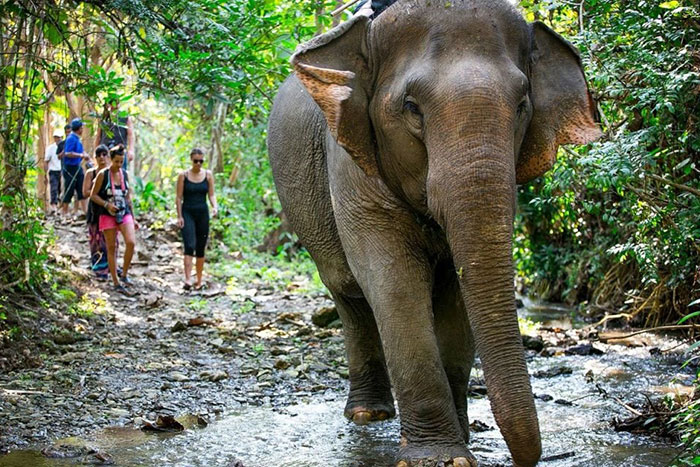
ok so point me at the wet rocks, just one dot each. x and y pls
(533, 343)
(554, 371)
(583, 349)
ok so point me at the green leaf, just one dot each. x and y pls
(690, 316)
(669, 5)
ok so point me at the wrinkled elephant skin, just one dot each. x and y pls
(396, 147)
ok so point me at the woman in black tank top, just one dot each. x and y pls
(194, 186)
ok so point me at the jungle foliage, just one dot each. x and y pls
(615, 225)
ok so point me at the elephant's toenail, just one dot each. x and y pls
(402, 464)
(362, 418)
(463, 462)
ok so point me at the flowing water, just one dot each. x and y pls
(575, 409)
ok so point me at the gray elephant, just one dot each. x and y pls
(396, 147)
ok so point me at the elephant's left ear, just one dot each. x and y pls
(564, 111)
(334, 69)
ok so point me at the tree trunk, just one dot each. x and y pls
(43, 141)
(216, 154)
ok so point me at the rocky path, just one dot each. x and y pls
(165, 352)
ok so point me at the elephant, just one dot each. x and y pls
(396, 146)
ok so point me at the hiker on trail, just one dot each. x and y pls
(52, 167)
(193, 188)
(98, 245)
(61, 145)
(73, 155)
(112, 198)
(115, 129)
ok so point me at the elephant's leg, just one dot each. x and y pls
(455, 339)
(370, 396)
(398, 284)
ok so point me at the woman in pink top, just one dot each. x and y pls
(112, 198)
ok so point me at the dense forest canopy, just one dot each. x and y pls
(612, 228)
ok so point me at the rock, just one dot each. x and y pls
(519, 303)
(477, 390)
(552, 372)
(478, 426)
(213, 376)
(544, 397)
(583, 349)
(282, 364)
(179, 326)
(177, 377)
(533, 343)
(325, 316)
(563, 402)
(65, 338)
(119, 413)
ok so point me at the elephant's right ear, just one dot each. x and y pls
(334, 70)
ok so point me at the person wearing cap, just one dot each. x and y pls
(52, 166)
(73, 155)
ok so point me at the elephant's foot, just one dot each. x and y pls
(364, 414)
(454, 456)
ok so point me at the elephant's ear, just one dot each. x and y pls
(564, 111)
(334, 69)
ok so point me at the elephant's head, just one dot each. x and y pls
(451, 103)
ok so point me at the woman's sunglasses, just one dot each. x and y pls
(198, 161)
(101, 154)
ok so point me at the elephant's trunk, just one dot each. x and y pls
(471, 192)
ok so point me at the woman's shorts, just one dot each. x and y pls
(109, 222)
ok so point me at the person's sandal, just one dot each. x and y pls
(122, 290)
(126, 281)
(186, 286)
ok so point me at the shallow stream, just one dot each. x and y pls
(575, 403)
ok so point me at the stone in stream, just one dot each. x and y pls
(552, 372)
(584, 349)
(533, 343)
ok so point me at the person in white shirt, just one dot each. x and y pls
(52, 166)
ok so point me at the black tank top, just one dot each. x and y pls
(194, 195)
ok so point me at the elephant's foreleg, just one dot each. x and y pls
(454, 339)
(399, 288)
(370, 396)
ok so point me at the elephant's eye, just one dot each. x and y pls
(523, 106)
(412, 107)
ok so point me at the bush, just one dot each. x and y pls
(616, 225)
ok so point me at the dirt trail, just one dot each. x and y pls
(165, 352)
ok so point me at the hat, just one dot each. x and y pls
(57, 133)
(76, 124)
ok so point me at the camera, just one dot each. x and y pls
(120, 204)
